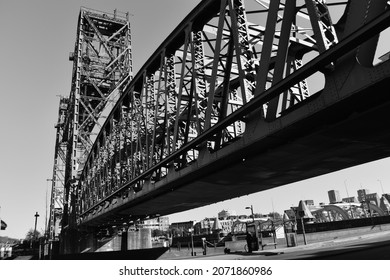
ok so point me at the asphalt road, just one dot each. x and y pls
(368, 247)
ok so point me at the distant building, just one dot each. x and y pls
(226, 226)
(385, 205)
(183, 226)
(362, 194)
(351, 199)
(309, 202)
(334, 196)
(226, 214)
(373, 198)
(290, 213)
(160, 223)
(387, 196)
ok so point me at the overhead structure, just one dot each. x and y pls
(102, 68)
(222, 56)
(198, 92)
(269, 90)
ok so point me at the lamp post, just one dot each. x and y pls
(35, 227)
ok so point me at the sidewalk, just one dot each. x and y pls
(334, 242)
(216, 253)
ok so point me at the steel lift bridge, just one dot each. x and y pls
(241, 97)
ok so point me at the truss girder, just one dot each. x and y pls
(58, 177)
(324, 32)
(223, 59)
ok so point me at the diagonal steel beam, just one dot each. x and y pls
(344, 47)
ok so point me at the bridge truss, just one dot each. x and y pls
(58, 179)
(227, 63)
(212, 65)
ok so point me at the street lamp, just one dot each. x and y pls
(35, 228)
(253, 216)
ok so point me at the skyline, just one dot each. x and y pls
(358, 177)
(35, 71)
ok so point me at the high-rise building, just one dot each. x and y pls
(309, 202)
(160, 223)
(387, 196)
(373, 198)
(362, 193)
(351, 199)
(334, 196)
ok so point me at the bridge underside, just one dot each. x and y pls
(343, 135)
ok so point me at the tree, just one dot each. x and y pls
(157, 233)
(31, 235)
(275, 215)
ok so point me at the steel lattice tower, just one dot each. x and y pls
(102, 67)
(58, 179)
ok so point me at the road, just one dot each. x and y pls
(374, 246)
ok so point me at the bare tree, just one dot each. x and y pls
(33, 235)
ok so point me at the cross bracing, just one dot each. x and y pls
(215, 62)
(102, 67)
(227, 63)
(58, 179)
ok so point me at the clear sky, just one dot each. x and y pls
(36, 38)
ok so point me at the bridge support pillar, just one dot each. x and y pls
(69, 241)
(124, 240)
(89, 242)
(140, 239)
